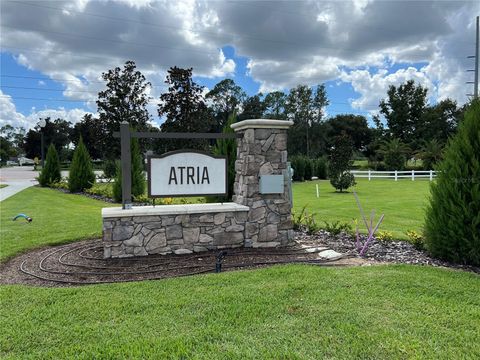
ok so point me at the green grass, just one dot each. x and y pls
(57, 218)
(3, 185)
(289, 312)
(403, 203)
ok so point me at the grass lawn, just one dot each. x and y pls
(3, 185)
(57, 218)
(403, 202)
(294, 312)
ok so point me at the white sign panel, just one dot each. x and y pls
(186, 173)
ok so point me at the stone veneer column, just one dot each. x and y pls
(262, 150)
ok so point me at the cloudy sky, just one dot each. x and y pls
(53, 52)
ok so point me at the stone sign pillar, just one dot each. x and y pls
(262, 150)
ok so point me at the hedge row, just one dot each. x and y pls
(305, 168)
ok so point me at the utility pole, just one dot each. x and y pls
(476, 57)
(475, 86)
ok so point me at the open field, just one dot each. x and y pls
(304, 312)
(403, 202)
(57, 218)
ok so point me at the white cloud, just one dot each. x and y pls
(9, 114)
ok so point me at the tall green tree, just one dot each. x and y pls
(253, 108)
(394, 154)
(305, 108)
(439, 122)
(431, 153)
(228, 148)
(124, 99)
(452, 220)
(226, 97)
(275, 105)
(184, 109)
(92, 132)
(51, 172)
(81, 174)
(340, 162)
(57, 132)
(355, 126)
(403, 110)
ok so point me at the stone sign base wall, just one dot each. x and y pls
(178, 229)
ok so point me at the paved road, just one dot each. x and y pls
(17, 178)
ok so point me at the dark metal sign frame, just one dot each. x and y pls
(126, 158)
(149, 172)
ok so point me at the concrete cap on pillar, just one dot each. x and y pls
(261, 124)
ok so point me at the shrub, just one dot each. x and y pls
(62, 184)
(340, 162)
(101, 189)
(321, 168)
(416, 239)
(109, 169)
(311, 225)
(138, 177)
(452, 221)
(384, 236)
(394, 154)
(51, 172)
(298, 165)
(298, 219)
(308, 168)
(336, 227)
(81, 171)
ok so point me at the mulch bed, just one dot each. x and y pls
(400, 252)
(82, 263)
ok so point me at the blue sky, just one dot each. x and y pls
(54, 53)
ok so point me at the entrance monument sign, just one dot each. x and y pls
(186, 173)
(259, 216)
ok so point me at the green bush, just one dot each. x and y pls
(336, 227)
(138, 177)
(309, 168)
(298, 166)
(109, 169)
(51, 172)
(384, 236)
(81, 174)
(452, 221)
(340, 162)
(320, 168)
(101, 189)
(416, 239)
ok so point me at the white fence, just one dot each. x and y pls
(412, 174)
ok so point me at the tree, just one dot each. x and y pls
(452, 221)
(440, 121)
(305, 109)
(137, 174)
(355, 126)
(51, 172)
(253, 108)
(81, 174)
(57, 132)
(226, 97)
(340, 162)
(228, 148)
(184, 107)
(394, 154)
(403, 111)
(124, 99)
(431, 153)
(92, 132)
(275, 105)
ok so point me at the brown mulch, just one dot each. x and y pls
(82, 263)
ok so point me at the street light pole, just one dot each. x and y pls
(42, 124)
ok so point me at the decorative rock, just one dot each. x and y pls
(228, 238)
(174, 231)
(266, 244)
(219, 218)
(146, 219)
(266, 169)
(134, 241)
(190, 235)
(157, 241)
(257, 214)
(235, 228)
(205, 239)
(329, 255)
(268, 143)
(182, 251)
(206, 218)
(197, 248)
(268, 233)
(140, 251)
(122, 232)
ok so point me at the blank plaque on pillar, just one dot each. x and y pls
(272, 184)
